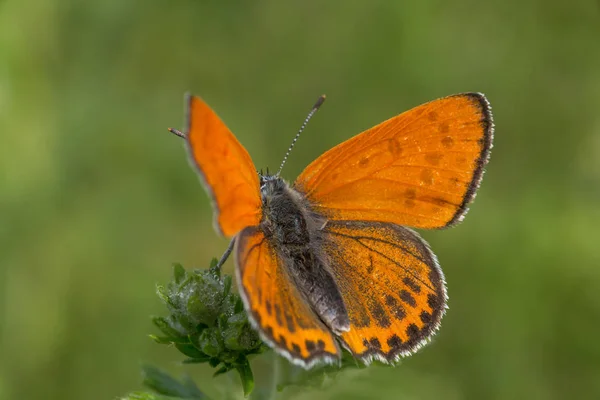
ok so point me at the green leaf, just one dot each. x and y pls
(227, 281)
(162, 293)
(147, 396)
(164, 384)
(196, 360)
(179, 273)
(222, 370)
(246, 376)
(190, 350)
(208, 342)
(160, 339)
(213, 267)
(167, 328)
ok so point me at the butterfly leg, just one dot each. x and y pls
(225, 255)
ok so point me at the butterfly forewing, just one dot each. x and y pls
(420, 168)
(391, 284)
(226, 168)
(278, 310)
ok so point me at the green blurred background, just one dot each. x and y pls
(97, 199)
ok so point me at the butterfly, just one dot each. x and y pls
(330, 260)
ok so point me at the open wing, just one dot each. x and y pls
(420, 168)
(392, 287)
(226, 169)
(276, 308)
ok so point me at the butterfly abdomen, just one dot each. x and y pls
(293, 231)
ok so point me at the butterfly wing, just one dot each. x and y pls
(420, 168)
(226, 169)
(392, 287)
(277, 310)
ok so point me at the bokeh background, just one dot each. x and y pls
(97, 200)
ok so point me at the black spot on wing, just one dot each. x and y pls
(413, 333)
(425, 317)
(374, 342)
(412, 284)
(278, 316)
(380, 315)
(394, 342)
(290, 322)
(395, 307)
(433, 301)
(256, 316)
(295, 348)
(406, 297)
(282, 341)
(268, 307)
(269, 330)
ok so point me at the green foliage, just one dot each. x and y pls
(291, 376)
(147, 396)
(96, 197)
(207, 322)
(166, 387)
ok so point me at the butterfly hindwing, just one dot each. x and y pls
(420, 168)
(392, 287)
(277, 309)
(226, 168)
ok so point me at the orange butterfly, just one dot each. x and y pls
(329, 259)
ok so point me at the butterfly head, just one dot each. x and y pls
(270, 184)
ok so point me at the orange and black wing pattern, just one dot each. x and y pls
(420, 168)
(391, 284)
(277, 309)
(226, 168)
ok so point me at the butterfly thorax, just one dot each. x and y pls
(294, 231)
(284, 218)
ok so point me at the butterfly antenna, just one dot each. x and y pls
(318, 104)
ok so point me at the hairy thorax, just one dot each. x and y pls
(296, 233)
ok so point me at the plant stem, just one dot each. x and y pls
(266, 389)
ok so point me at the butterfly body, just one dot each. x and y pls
(295, 232)
(329, 261)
